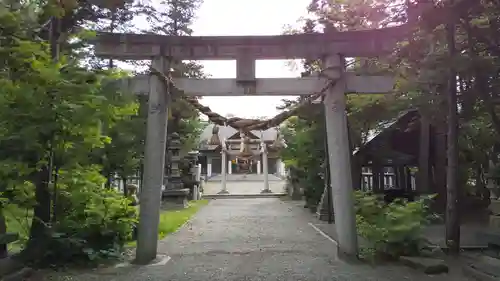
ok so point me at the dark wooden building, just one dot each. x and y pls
(388, 160)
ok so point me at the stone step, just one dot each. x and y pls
(484, 268)
(243, 196)
(491, 237)
(244, 177)
(477, 274)
(426, 265)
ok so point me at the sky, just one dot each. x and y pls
(240, 17)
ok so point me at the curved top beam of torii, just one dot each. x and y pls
(364, 43)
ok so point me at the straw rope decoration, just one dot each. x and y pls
(241, 124)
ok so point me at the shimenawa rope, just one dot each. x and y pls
(241, 124)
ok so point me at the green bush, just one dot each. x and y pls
(391, 230)
(93, 222)
(311, 183)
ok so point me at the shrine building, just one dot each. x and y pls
(210, 154)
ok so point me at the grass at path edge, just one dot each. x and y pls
(171, 220)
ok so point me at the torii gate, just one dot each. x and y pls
(331, 47)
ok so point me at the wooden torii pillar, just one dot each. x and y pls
(246, 50)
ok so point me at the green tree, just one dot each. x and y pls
(49, 107)
(304, 155)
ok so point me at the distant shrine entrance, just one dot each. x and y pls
(241, 160)
(329, 87)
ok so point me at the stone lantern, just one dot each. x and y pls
(175, 159)
(174, 195)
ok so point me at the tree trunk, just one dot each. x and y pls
(108, 181)
(439, 174)
(141, 174)
(55, 204)
(479, 181)
(452, 193)
(39, 234)
(3, 230)
(423, 182)
(125, 191)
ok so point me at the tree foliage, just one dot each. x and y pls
(421, 63)
(392, 230)
(305, 155)
(66, 130)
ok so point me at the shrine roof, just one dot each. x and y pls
(228, 132)
(387, 126)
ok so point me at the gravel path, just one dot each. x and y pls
(253, 239)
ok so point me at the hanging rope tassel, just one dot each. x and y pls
(245, 150)
(214, 140)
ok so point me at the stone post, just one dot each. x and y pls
(265, 168)
(198, 172)
(154, 164)
(229, 167)
(209, 170)
(194, 171)
(224, 165)
(196, 193)
(198, 179)
(339, 158)
(258, 168)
